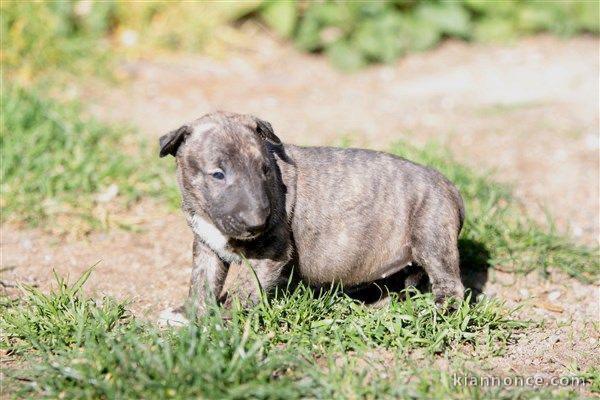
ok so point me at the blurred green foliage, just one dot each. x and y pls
(38, 35)
(354, 34)
(78, 35)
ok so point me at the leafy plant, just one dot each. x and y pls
(84, 36)
(353, 34)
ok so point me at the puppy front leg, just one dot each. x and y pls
(245, 279)
(208, 273)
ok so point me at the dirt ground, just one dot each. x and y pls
(529, 111)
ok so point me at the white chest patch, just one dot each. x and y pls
(213, 238)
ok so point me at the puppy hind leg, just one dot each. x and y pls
(443, 270)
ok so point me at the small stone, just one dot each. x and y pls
(26, 244)
(553, 339)
(108, 194)
(169, 317)
(554, 295)
(129, 38)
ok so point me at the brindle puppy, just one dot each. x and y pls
(347, 216)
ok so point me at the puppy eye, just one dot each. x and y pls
(265, 169)
(219, 175)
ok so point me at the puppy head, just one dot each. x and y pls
(225, 171)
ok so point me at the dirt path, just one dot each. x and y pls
(151, 267)
(530, 111)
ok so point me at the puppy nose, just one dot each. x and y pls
(254, 221)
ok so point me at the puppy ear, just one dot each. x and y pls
(169, 143)
(265, 131)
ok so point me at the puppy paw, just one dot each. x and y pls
(172, 317)
(449, 299)
(447, 304)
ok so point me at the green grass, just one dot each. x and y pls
(288, 348)
(61, 319)
(593, 375)
(57, 161)
(337, 321)
(297, 345)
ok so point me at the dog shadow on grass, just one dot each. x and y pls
(474, 264)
